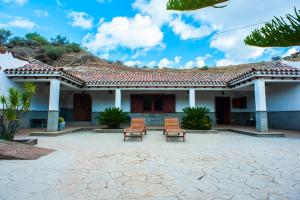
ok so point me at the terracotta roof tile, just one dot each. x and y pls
(158, 78)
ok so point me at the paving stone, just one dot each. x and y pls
(91, 166)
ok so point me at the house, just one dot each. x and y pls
(265, 92)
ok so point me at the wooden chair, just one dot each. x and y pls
(172, 128)
(136, 129)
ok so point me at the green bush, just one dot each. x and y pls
(36, 38)
(60, 40)
(196, 118)
(61, 120)
(54, 52)
(113, 117)
(73, 47)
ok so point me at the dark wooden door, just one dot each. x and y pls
(82, 108)
(169, 103)
(223, 110)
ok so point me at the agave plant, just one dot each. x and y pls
(17, 102)
(196, 118)
(113, 117)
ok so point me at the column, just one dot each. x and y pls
(118, 98)
(261, 106)
(192, 98)
(53, 111)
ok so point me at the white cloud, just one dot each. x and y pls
(156, 9)
(186, 31)
(152, 64)
(238, 14)
(133, 63)
(22, 23)
(81, 19)
(132, 33)
(291, 51)
(41, 13)
(224, 62)
(189, 65)
(165, 63)
(197, 63)
(177, 59)
(234, 48)
(20, 2)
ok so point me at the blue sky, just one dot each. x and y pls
(143, 32)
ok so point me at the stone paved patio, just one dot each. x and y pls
(208, 166)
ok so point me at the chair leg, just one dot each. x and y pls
(141, 136)
(124, 136)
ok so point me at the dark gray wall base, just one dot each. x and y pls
(288, 120)
(240, 118)
(26, 118)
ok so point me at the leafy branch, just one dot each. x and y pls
(188, 5)
(277, 33)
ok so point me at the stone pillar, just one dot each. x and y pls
(53, 112)
(261, 106)
(192, 98)
(118, 97)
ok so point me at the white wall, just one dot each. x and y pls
(283, 96)
(40, 100)
(8, 61)
(207, 99)
(102, 99)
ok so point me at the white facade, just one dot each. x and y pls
(276, 97)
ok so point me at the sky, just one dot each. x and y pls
(144, 33)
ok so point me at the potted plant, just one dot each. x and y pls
(61, 124)
(113, 117)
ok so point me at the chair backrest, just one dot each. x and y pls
(137, 123)
(171, 123)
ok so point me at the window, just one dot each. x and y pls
(152, 103)
(240, 103)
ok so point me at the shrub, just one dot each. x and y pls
(17, 102)
(59, 40)
(36, 38)
(17, 41)
(73, 47)
(113, 117)
(53, 52)
(61, 120)
(196, 118)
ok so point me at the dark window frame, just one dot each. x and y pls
(154, 98)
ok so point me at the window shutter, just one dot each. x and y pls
(136, 103)
(169, 103)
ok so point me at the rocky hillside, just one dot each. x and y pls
(59, 52)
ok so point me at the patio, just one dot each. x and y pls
(87, 165)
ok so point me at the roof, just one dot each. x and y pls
(215, 77)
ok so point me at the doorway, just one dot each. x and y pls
(82, 107)
(223, 110)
